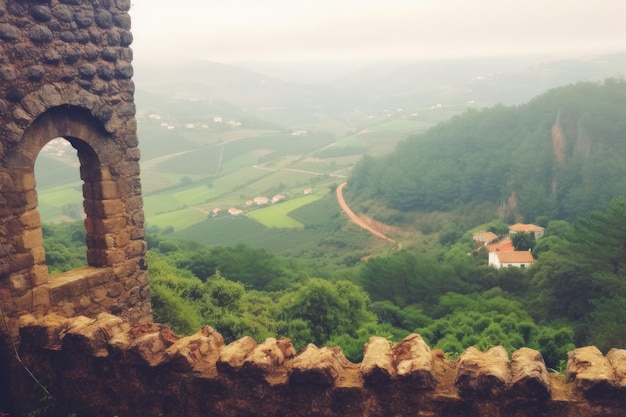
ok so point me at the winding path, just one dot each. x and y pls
(354, 217)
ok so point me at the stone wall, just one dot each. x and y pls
(65, 71)
(106, 367)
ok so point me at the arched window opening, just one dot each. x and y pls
(60, 206)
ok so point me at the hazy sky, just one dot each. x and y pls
(231, 30)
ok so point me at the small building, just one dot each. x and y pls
(538, 231)
(277, 198)
(308, 191)
(234, 211)
(504, 245)
(483, 238)
(507, 259)
(260, 201)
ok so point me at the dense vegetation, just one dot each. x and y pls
(574, 294)
(560, 156)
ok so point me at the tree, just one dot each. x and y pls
(524, 241)
(608, 323)
(327, 308)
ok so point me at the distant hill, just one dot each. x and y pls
(560, 155)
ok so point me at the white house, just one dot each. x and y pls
(514, 258)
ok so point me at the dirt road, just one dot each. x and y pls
(354, 217)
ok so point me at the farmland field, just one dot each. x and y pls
(277, 215)
(241, 229)
(179, 219)
(189, 168)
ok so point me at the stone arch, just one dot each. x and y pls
(115, 279)
(97, 153)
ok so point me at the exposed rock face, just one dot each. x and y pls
(65, 71)
(103, 366)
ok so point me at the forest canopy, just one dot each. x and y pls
(560, 156)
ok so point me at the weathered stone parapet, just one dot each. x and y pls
(148, 370)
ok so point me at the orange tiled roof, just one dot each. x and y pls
(515, 257)
(525, 228)
(505, 245)
(485, 236)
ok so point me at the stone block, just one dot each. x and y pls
(122, 21)
(30, 200)
(319, 367)
(233, 355)
(19, 284)
(136, 249)
(9, 32)
(21, 116)
(110, 208)
(137, 232)
(200, 351)
(67, 309)
(134, 203)
(30, 219)
(39, 255)
(591, 372)
(482, 374)
(115, 257)
(93, 336)
(133, 154)
(45, 332)
(32, 238)
(617, 359)
(115, 290)
(122, 238)
(112, 225)
(268, 356)
(39, 275)
(529, 375)
(41, 13)
(40, 34)
(98, 295)
(108, 190)
(151, 347)
(377, 366)
(414, 361)
(63, 13)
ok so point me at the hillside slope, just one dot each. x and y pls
(560, 156)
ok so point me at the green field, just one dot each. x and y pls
(186, 173)
(179, 219)
(277, 215)
(241, 229)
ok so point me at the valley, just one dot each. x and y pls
(230, 134)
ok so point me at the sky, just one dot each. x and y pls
(303, 30)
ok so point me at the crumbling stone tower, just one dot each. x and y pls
(65, 71)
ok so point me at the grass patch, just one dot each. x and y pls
(158, 204)
(227, 231)
(195, 195)
(62, 195)
(277, 215)
(179, 219)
